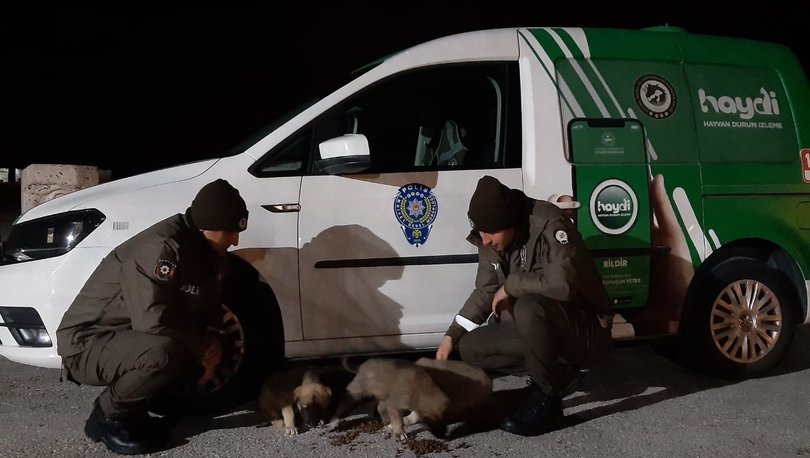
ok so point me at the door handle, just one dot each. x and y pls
(282, 208)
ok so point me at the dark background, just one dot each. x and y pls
(138, 88)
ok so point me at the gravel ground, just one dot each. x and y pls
(636, 403)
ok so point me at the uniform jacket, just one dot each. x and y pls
(546, 257)
(166, 280)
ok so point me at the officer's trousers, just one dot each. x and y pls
(541, 338)
(136, 368)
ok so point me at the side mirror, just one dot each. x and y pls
(345, 154)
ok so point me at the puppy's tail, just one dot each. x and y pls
(344, 361)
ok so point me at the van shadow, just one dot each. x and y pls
(343, 270)
(634, 376)
(335, 292)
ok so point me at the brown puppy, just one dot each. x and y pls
(468, 388)
(397, 385)
(291, 389)
(476, 375)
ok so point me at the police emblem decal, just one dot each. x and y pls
(561, 237)
(164, 270)
(416, 207)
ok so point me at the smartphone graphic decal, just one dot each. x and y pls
(611, 175)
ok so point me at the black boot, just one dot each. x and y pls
(153, 429)
(116, 434)
(542, 413)
(571, 381)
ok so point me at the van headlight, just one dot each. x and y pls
(50, 236)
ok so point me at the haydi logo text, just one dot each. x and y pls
(614, 207)
(746, 108)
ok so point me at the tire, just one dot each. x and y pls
(741, 319)
(253, 347)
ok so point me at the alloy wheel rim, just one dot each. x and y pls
(746, 321)
(233, 351)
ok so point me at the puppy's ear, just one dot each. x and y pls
(308, 378)
(297, 392)
(323, 395)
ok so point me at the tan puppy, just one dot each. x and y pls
(397, 385)
(468, 388)
(479, 378)
(297, 388)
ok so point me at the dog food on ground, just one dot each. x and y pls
(421, 447)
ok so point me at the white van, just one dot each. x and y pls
(358, 203)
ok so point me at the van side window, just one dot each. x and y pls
(437, 118)
(286, 159)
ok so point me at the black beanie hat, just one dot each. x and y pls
(219, 207)
(493, 206)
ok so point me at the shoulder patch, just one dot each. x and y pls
(561, 236)
(164, 270)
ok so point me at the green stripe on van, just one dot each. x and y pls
(555, 54)
(549, 45)
(567, 73)
(581, 94)
(548, 73)
(578, 54)
(570, 43)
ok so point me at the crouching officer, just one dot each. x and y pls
(146, 320)
(538, 280)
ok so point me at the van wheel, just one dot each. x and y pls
(743, 319)
(252, 348)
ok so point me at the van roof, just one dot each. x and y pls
(655, 42)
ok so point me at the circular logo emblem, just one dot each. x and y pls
(416, 208)
(164, 270)
(655, 96)
(614, 207)
(243, 223)
(561, 237)
(608, 139)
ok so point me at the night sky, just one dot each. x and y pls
(140, 88)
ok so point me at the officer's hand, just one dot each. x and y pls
(500, 302)
(671, 272)
(210, 360)
(446, 347)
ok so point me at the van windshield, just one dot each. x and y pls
(251, 139)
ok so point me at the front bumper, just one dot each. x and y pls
(49, 287)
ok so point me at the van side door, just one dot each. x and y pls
(383, 254)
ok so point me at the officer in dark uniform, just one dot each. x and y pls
(148, 316)
(540, 283)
